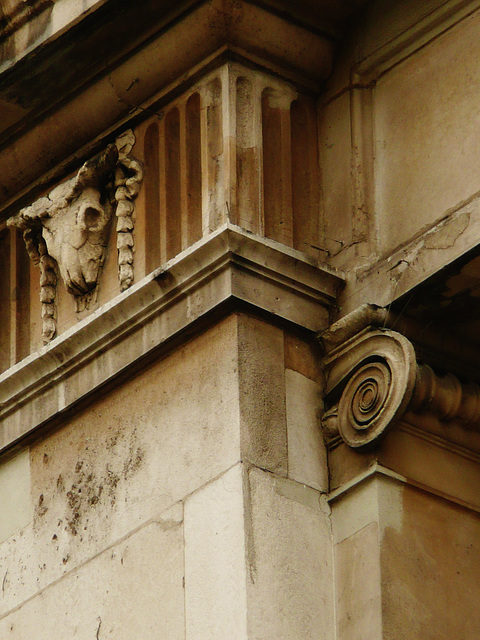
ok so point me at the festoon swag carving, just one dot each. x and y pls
(128, 179)
(66, 232)
(373, 379)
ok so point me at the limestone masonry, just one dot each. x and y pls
(239, 320)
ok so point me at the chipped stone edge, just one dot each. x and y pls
(413, 263)
(229, 265)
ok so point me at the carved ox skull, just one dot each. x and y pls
(75, 236)
(74, 222)
(67, 230)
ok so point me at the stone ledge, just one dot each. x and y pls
(450, 487)
(230, 267)
(410, 265)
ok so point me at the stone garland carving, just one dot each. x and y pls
(373, 379)
(48, 292)
(128, 179)
(37, 250)
(66, 232)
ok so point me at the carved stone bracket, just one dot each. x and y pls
(373, 379)
(66, 232)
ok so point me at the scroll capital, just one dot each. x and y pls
(370, 382)
(373, 379)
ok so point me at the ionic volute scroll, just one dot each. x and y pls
(66, 232)
(373, 379)
(370, 383)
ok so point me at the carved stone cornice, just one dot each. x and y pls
(374, 379)
(228, 270)
(103, 74)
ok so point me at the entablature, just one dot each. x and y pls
(111, 61)
(238, 146)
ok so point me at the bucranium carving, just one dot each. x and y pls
(68, 229)
(74, 220)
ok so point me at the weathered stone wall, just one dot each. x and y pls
(168, 469)
(172, 500)
(398, 146)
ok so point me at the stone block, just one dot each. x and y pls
(427, 135)
(262, 394)
(133, 589)
(215, 569)
(358, 519)
(335, 152)
(15, 503)
(289, 553)
(430, 566)
(307, 454)
(358, 586)
(449, 471)
(304, 357)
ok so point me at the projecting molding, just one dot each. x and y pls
(374, 379)
(230, 269)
